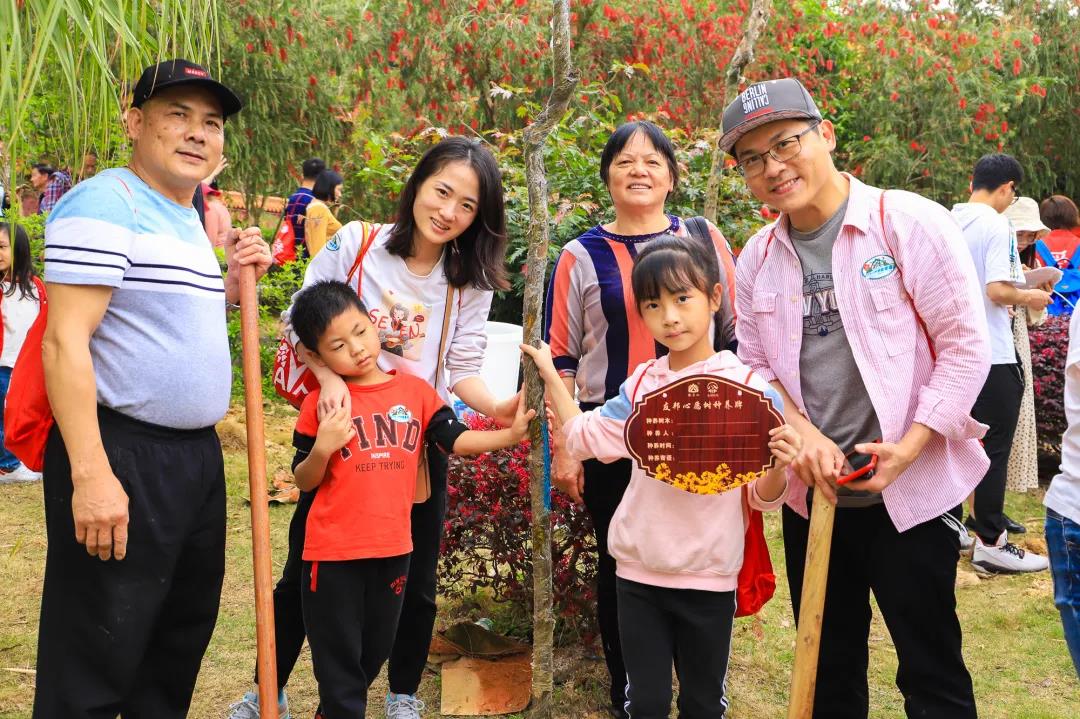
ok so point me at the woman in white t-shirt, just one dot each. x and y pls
(20, 293)
(450, 227)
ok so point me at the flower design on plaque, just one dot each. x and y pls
(703, 434)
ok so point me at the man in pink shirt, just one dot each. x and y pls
(862, 310)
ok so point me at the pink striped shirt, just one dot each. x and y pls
(881, 304)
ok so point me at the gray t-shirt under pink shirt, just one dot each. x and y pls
(834, 395)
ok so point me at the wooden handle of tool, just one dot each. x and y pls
(260, 513)
(811, 608)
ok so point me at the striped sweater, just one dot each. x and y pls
(591, 321)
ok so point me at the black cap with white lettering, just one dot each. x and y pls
(172, 73)
(763, 103)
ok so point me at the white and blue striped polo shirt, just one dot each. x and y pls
(161, 353)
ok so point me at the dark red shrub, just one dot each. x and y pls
(486, 538)
(1049, 348)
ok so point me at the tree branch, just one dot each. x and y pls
(744, 55)
(564, 80)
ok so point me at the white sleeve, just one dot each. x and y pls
(466, 346)
(997, 260)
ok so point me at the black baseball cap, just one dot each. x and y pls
(766, 102)
(173, 73)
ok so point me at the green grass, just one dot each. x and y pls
(1013, 640)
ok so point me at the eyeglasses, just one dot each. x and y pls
(782, 151)
(1016, 194)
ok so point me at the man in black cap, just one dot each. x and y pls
(138, 372)
(861, 308)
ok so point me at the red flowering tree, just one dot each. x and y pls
(918, 91)
(940, 87)
(294, 65)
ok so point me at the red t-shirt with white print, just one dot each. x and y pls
(362, 508)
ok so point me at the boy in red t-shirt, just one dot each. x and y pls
(356, 551)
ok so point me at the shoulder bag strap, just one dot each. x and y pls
(1075, 255)
(637, 385)
(370, 231)
(445, 330)
(698, 227)
(1045, 255)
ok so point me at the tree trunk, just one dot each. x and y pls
(744, 55)
(564, 79)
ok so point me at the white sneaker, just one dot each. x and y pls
(20, 475)
(967, 542)
(248, 707)
(1004, 557)
(403, 706)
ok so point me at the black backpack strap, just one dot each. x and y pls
(698, 227)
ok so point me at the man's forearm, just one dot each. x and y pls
(1003, 293)
(72, 389)
(916, 438)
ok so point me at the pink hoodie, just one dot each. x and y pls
(661, 535)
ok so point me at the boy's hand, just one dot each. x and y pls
(522, 418)
(335, 431)
(541, 356)
(785, 443)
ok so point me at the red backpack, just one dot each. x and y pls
(283, 249)
(27, 414)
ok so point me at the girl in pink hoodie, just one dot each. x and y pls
(677, 554)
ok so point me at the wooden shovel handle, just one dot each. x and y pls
(811, 608)
(260, 513)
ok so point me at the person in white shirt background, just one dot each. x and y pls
(992, 242)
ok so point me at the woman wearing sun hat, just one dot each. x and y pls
(1023, 473)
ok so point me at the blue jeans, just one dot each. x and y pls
(1063, 541)
(8, 461)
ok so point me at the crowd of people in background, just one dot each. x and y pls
(879, 322)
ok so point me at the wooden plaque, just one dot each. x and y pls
(703, 434)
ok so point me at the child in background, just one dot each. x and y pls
(677, 554)
(358, 541)
(20, 300)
